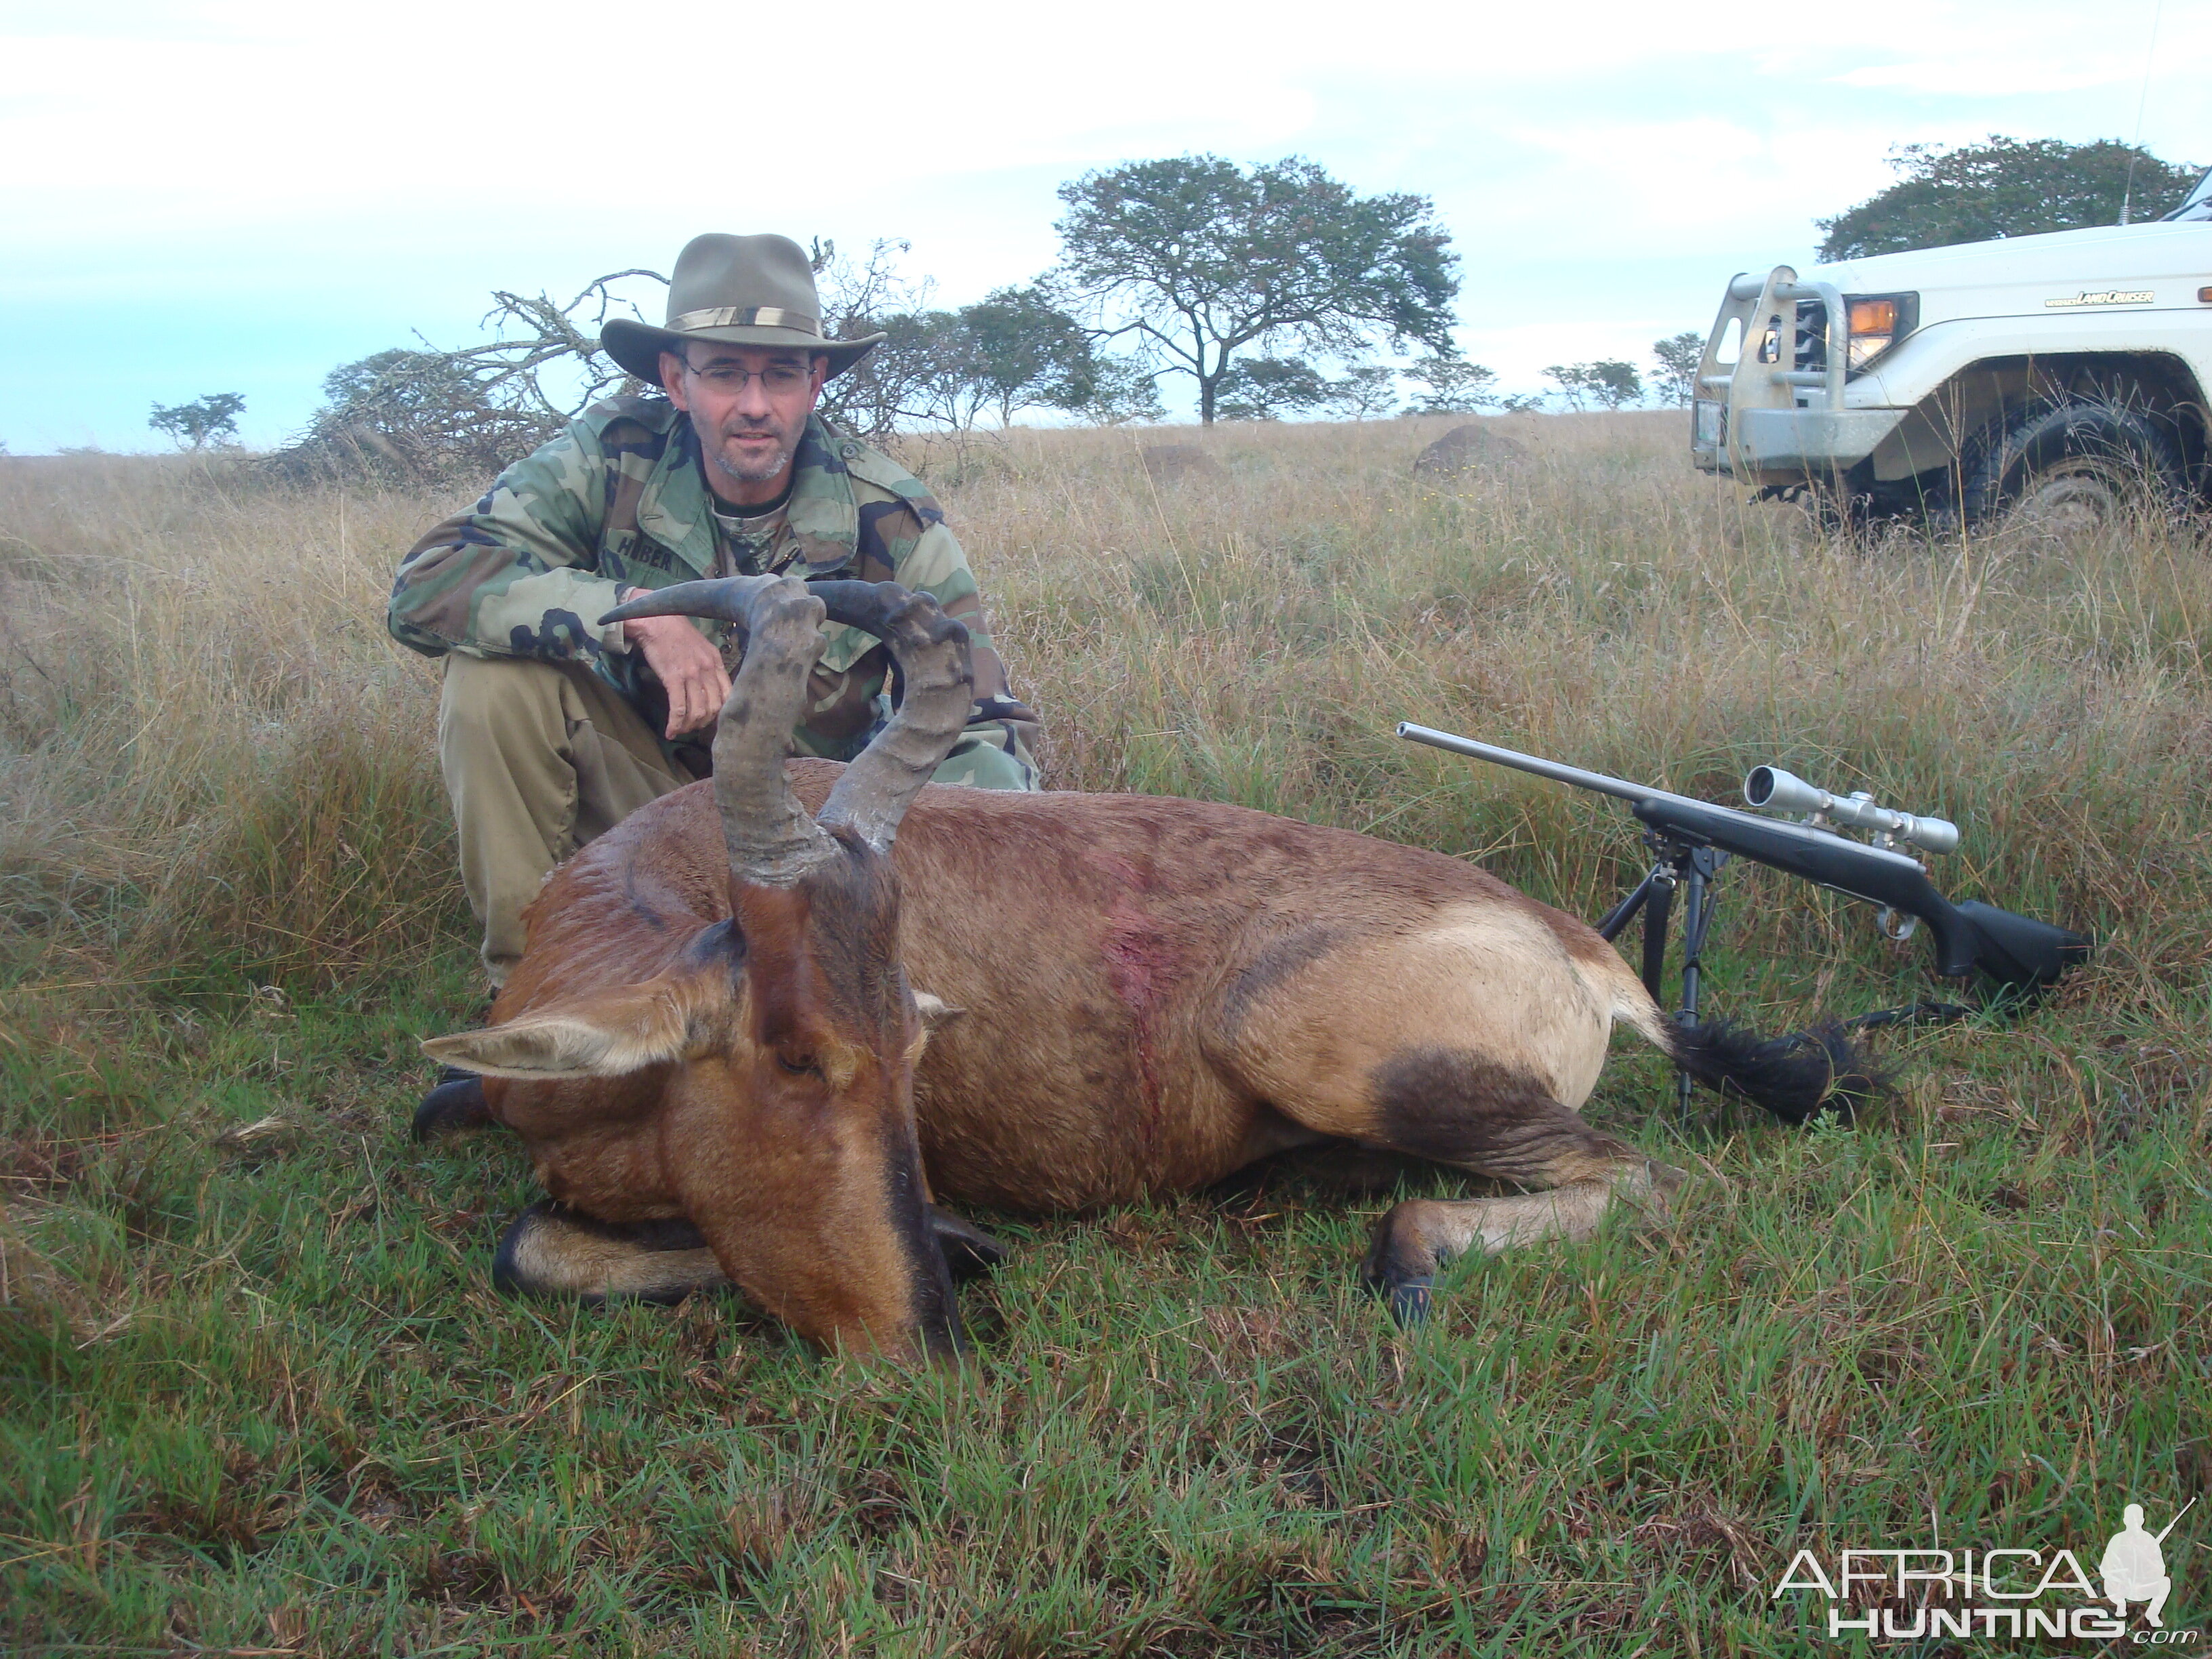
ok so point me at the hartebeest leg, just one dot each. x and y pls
(552, 1250)
(1510, 1038)
(1420, 1236)
(1480, 1113)
(1464, 1110)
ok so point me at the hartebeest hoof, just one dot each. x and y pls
(457, 1104)
(1401, 1267)
(969, 1252)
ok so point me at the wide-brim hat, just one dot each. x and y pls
(734, 290)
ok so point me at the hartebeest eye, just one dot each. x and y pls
(798, 1065)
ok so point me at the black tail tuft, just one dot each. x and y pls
(1792, 1077)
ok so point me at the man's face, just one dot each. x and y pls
(748, 404)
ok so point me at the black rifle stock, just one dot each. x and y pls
(2016, 952)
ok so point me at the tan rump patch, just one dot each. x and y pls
(1479, 978)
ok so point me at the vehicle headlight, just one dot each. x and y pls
(1877, 322)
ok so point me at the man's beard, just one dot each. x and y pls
(758, 471)
(761, 472)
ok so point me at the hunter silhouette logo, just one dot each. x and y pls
(2000, 1593)
(2134, 1567)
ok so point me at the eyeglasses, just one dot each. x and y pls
(733, 378)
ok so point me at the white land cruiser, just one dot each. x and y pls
(2046, 374)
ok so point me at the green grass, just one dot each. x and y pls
(256, 1394)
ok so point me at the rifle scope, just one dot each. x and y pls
(1770, 789)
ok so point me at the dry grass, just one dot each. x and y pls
(212, 752)
(213, 763)
(260, 1399)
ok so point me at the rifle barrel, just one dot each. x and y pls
(2176, 1522)
(1543, 769)
(2014, 951)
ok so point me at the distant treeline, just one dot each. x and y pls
(1275, 292)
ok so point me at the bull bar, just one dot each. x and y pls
(1746, 420)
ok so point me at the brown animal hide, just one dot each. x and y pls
(1159, 991)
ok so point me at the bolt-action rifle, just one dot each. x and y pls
(2019, 955)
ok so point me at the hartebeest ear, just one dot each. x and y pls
(608, 1033)
(934, 1011)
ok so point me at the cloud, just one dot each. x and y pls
(1988, 78)
(2042, 47)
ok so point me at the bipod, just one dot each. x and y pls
(1691, 868)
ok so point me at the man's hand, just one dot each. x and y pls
(687, 665)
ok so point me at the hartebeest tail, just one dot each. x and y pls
(1795, 1077)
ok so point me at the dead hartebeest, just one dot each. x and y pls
(723, 1046)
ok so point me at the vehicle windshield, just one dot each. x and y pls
(2199, 204)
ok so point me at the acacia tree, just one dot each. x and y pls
(1029, 353)
(211, 419)
(1449, 385)
(1125, 390)
(1268, 388)
(1197, 259)
(1370, 390)
(861, 296)
(1011, 351)
(430, 415)
(1678, 356)
(1609, 382)
(2006, 187)
(422, 414)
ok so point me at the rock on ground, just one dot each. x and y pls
(1470, 448)
(1167, 462)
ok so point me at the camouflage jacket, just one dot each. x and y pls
(620, 501)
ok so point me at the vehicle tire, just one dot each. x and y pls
(1869, 517)
(2067, 466)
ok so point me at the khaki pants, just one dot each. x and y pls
(539, 757)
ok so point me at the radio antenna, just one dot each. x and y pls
(2135, 151)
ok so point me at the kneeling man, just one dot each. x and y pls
(552, 728)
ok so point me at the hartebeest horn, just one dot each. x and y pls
(930, 650)
(770, 838)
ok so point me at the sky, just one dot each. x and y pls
(239, 196)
